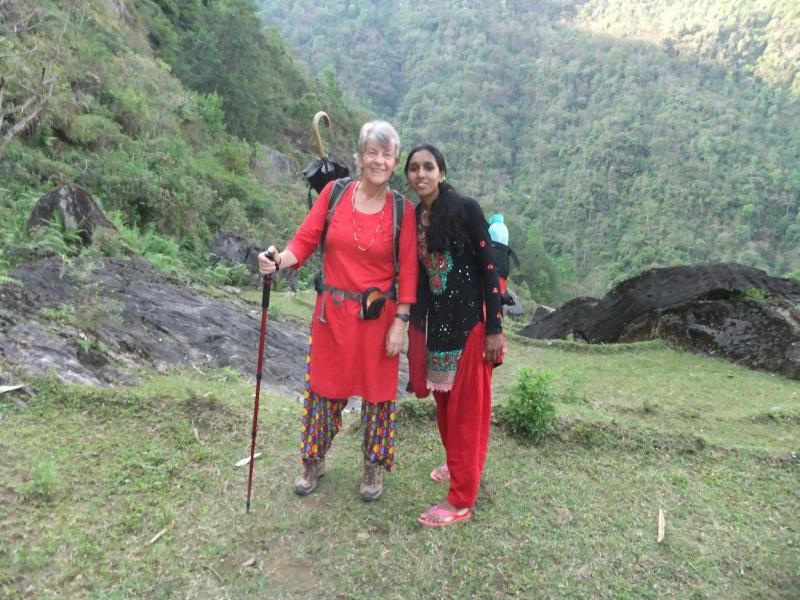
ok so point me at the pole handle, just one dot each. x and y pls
(320, 116)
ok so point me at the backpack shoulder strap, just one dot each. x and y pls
(337, 191)
(398, 208)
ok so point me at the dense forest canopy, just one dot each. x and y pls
(616, 135)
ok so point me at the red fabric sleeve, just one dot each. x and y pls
(417, 363)
(409, 265)
(309, 234)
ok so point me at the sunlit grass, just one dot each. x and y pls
(91, 476)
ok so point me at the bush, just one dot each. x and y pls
(94, 131)
(43, 483)
(227, 274)
(530, 411)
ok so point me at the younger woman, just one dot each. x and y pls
(456, 335)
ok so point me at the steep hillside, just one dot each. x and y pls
(169, 112)
(615, 143)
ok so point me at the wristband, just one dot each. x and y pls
(404, 317)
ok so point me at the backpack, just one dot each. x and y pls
(398, 208)
(503, 255)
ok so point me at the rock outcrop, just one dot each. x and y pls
(722, 309)
(97, 321)
(76, 208)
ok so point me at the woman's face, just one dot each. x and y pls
(424, 175)
(377, 163)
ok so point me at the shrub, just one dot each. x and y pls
(227, 274)
(93, 131)
(530, 411)
(43, 483)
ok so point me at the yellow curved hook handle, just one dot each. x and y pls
(321, 115)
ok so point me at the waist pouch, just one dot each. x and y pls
(371, 300)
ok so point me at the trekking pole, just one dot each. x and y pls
(264, 307)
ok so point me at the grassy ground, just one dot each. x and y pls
(89, 477)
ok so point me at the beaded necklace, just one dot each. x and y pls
(355, 226)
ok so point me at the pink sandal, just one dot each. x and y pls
(439, 516)
(441, 474)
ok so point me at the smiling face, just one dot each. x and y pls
(378, 163)
(424, 175)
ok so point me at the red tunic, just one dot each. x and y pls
(348, 356)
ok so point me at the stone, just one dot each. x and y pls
(723, 309)
(77, 209)
(514, 311)
(237, 250)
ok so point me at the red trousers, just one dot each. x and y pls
(464, 416)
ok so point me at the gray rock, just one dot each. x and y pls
(77, 209)
(238, 250)
(759, 335)
(513, 311)
(235, 249)
(143, 320)
(280, 161)
(558, 324)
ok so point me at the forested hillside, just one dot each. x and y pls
(616, 134)
(169, 112)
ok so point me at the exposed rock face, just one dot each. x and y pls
(142, 319)
(760, 335)
(77, 209)
(698, 307)
(235, 249)
(558, 324)
(280, 161)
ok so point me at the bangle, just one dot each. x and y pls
(404, 317)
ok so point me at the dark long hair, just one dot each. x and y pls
(447, 226)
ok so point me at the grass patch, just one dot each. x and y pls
(91, 476)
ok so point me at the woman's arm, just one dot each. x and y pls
(482, 247)
(397, 331)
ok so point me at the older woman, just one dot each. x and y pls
(456, 334)
(354, 352)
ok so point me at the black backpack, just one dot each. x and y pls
(503, 255)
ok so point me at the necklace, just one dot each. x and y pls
(355, 226)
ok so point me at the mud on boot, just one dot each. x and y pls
(308, 481)
(372, 482)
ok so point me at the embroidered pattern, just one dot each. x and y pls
(437, 264)
(442, 367)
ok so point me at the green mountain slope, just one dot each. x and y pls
(161, 109)
(613, 142)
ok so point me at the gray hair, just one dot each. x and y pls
(380, 133)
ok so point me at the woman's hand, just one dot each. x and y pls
(493, 347)
(395, 338)
(269, 261)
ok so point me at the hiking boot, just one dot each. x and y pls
(308, 481)
(372, 483)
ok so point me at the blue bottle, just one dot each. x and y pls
(498, 230)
